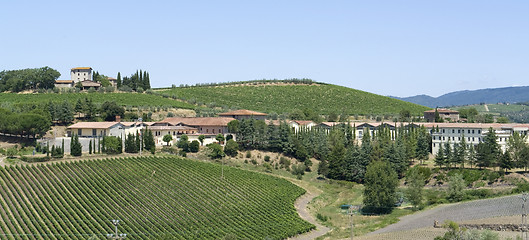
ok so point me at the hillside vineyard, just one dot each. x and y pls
(153, 197)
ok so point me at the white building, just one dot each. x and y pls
(472, 133)
(80, 74)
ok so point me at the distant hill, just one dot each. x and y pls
(469, 97)
(285, 97)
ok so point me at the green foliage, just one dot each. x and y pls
(201, 139)
(112, 145)
(379, 187)
(456, 185)
(25, 79)
(168, 138)
(416, 182)
(232, 148)
(148, 141)
(298, 170)
(194, 146)
(162, 191)
(75, 146)
(215, 151)
(288, 98)
(11, 152)
(122, 99)
(109, 111)
(183, 143)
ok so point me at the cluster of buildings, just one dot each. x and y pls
(82, 75)
(210, 127)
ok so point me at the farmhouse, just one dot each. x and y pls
(244, 114)
(64, 83)
(298, 125)
(96, 129)
(446, 114)
(205, 125)
(80, 74)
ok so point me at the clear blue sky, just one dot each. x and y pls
(399, 48)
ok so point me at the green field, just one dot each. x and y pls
(321, 98)
(153, 197)
(124, 99)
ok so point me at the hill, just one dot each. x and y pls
(153, 197)
(469, 97)
(124, 99)
(285, 98)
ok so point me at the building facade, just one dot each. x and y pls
(80, 74)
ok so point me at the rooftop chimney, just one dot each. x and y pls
(118, 118)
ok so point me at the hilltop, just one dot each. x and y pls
(469, 97)
(287, 96)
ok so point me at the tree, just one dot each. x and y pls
(219, 138)
(112, 145)
(423, 144)
(379, 187)
(75, 146)
(456, 184)
(232, 148)
(440, 159)
(90, 147)
(183, 143)
(201, 139)
(194, 146)
(167, 138)
(488, 151)
(118, 80)
(415, 187)
(506, 162)
(148, 141)
(215, 151)
(109, 111)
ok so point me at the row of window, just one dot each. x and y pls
(501, 139)
(473, 131)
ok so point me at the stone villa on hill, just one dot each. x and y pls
(82, 75)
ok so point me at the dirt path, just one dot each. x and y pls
(486, 108)
(301, 206)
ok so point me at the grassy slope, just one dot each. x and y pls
(124, 99)
(153, 198)
(324, 99)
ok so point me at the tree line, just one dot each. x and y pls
(139, 81)
(28, 79)
(342, 156)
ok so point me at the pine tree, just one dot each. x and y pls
(439, 157)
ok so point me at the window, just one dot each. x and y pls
(472, 131)
(468, 131)
(434, 144)
(79, 132)
(479, 131)
(472, 139)
(458, 130)
(453, 131)
(459, 138)
(443, 131)
(94, 132)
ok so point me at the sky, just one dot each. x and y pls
(398, 48)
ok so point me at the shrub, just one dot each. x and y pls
(248, 154)
(254, 162)
(267, 158)
(231, 149)
(11, 152)
(194, 146)
(455, 188)
(321, 217)
(268, 167)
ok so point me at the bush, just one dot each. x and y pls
(285, 163)
(248, 154)
(194, 146)
(254, 162)
(268, 167)
(11, 152)
(321, 217)
(169, 149)
(231, 149)
(267, 158)
(34, 159)
(456, 186)
(112, 145)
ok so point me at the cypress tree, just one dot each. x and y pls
(118, 80)
(90, 147)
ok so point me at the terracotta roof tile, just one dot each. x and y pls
(94, 125)
(199, 121)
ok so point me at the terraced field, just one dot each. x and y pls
(153, 197)
(479, 209)
(321, 98)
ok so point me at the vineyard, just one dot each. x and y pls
(321, 98)
(123, 99)
(153, 197)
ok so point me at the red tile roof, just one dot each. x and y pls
(82, 68)
(63, 81)
(243, 112)
(94, 125)
(442, 110)
(199, 121)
